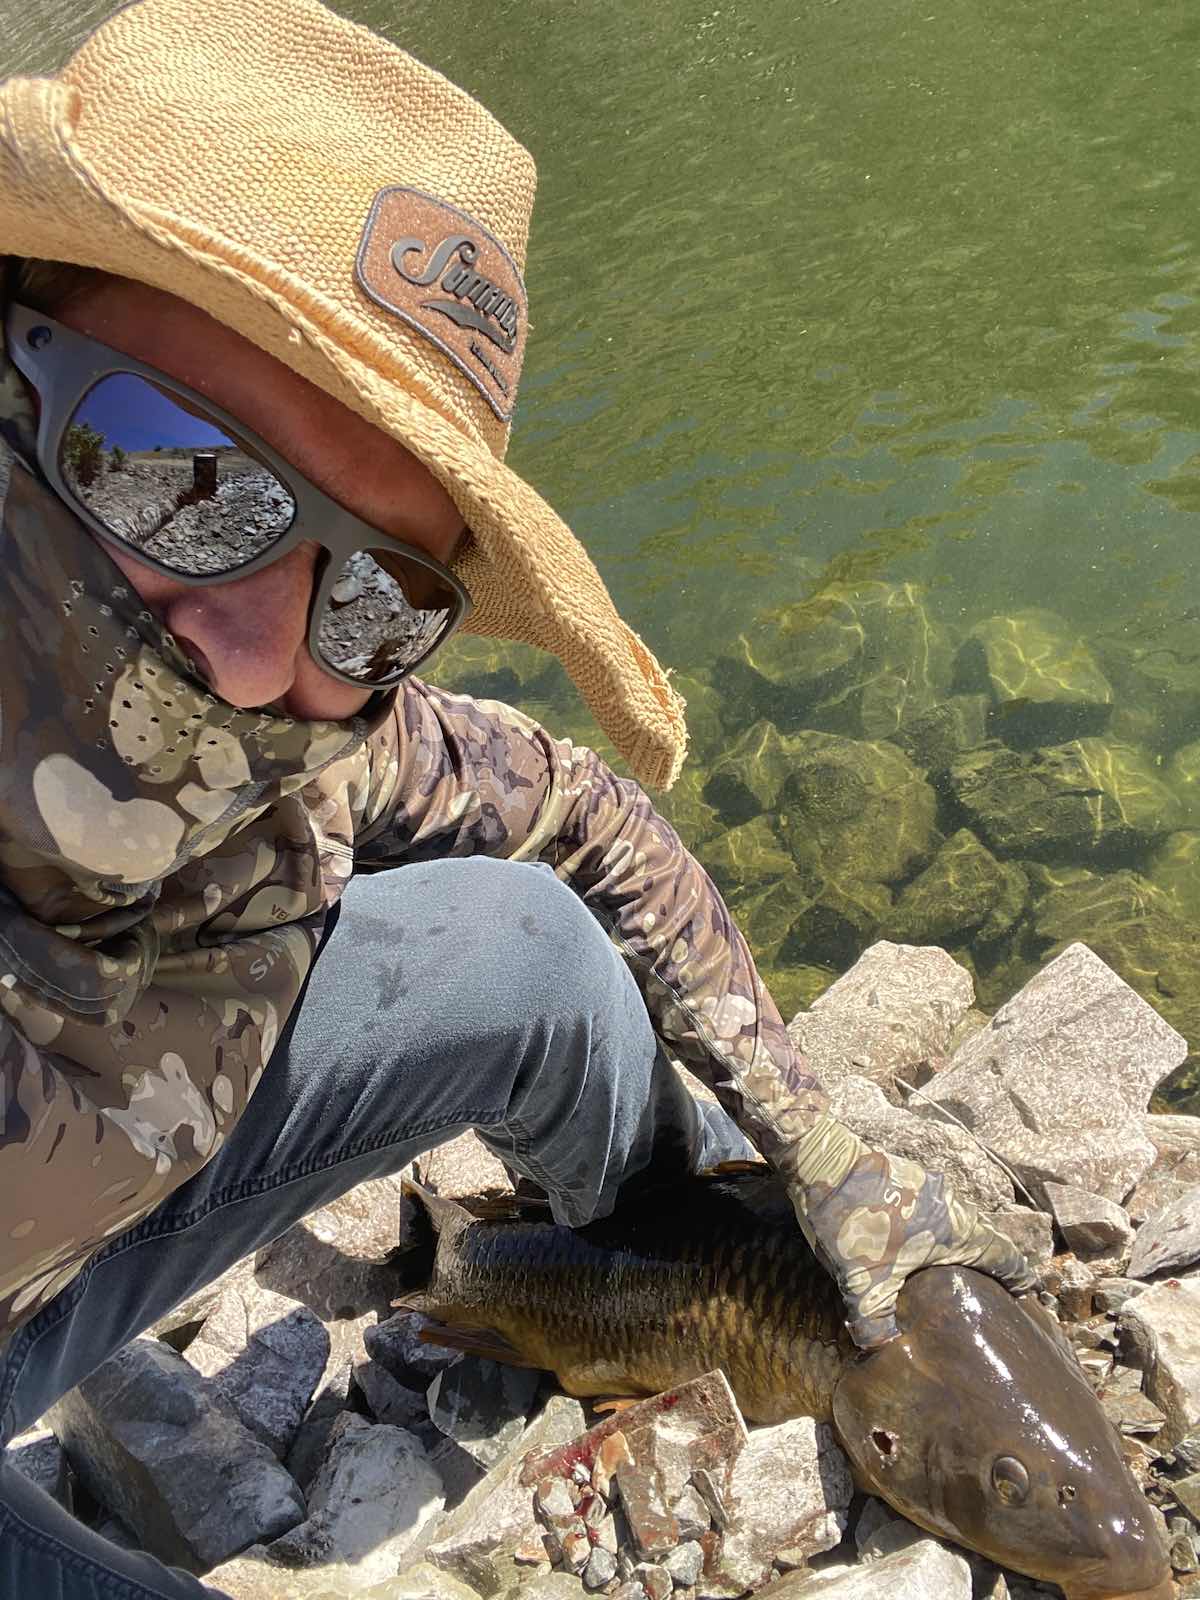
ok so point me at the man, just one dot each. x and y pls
(275, 915)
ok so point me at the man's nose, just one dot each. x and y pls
(250, 630)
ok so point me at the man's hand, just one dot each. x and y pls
(874, 1219)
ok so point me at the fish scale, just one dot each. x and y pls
(610, 1306)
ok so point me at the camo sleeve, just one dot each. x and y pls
(456, 776)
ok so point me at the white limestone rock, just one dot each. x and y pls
(1090, 1224)
(889, 1018)
(790, 1488)
(937, 1146)
(333, 1259)
(1164, 1327)
(1170, 1240)
(924, 1570)
(1059, 1079)
(489, 1540)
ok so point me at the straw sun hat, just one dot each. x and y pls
(357, 216)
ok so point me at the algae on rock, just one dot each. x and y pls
(1085, 800)
(963, 889)
(1045, 683)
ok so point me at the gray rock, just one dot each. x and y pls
(1169, 1241)
(891, 1016)
(387, 1399)
(490, 1539)
(937, 1146)
(371, 1509)
(1163, 1326)
(397, 1345)
(1110, 1294)
(789, 1487)
(1031, 1231)
(38, 1456)
(1090, 1224)
(685, 1563)
(332, 1261)
(263, 1355)
(601, 1568)
(925, 1570)
(149, 1442)
(1055, 1079)
(482, 1406)
(331, 1398)
(461, 1166)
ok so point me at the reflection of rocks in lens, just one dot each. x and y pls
(164, 505)
(370, 630)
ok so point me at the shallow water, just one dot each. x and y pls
(840, 295)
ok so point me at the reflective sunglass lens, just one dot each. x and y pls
(170, 481)
(385, 613)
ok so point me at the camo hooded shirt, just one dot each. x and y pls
(167, 862)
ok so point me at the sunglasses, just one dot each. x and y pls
(160, 471)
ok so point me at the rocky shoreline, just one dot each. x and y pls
(285, 1434)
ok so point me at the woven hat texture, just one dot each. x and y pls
(235, 155)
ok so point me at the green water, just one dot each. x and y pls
(840, 294)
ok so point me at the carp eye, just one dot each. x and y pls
(1010, 1480)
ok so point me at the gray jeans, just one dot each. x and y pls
(457, 994)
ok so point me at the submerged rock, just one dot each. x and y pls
(1087, 800)
(852, 810)
(964, 889)
(932, 739)
(901, 671)
(1045, 683)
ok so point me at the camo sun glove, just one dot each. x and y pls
(874, 1219)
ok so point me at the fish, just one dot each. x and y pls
(976, 1422)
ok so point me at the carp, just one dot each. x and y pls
(975, 1423)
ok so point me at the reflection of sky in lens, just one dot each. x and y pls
(132, 413)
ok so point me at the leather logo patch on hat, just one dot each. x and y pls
(453, 281)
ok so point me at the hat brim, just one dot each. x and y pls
(529, 577)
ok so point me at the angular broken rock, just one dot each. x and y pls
(1090, 1224)
(1170, 1240)
(889, 1018)
(937, 1146)
(1163, 1326)
(493, 1537)
(1031, 1231)
(669, 1439)
(1058, 1076)
(370, 1508)
(148, 1442)
(333, 1259)
(789, 1487)
(482, 1406)
(263, 1355)
(397, 1345)
(925, 1570)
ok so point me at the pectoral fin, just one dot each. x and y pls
(485, 1342)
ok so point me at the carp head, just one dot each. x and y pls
(978, 1424)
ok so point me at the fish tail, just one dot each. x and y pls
(414, 1263)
